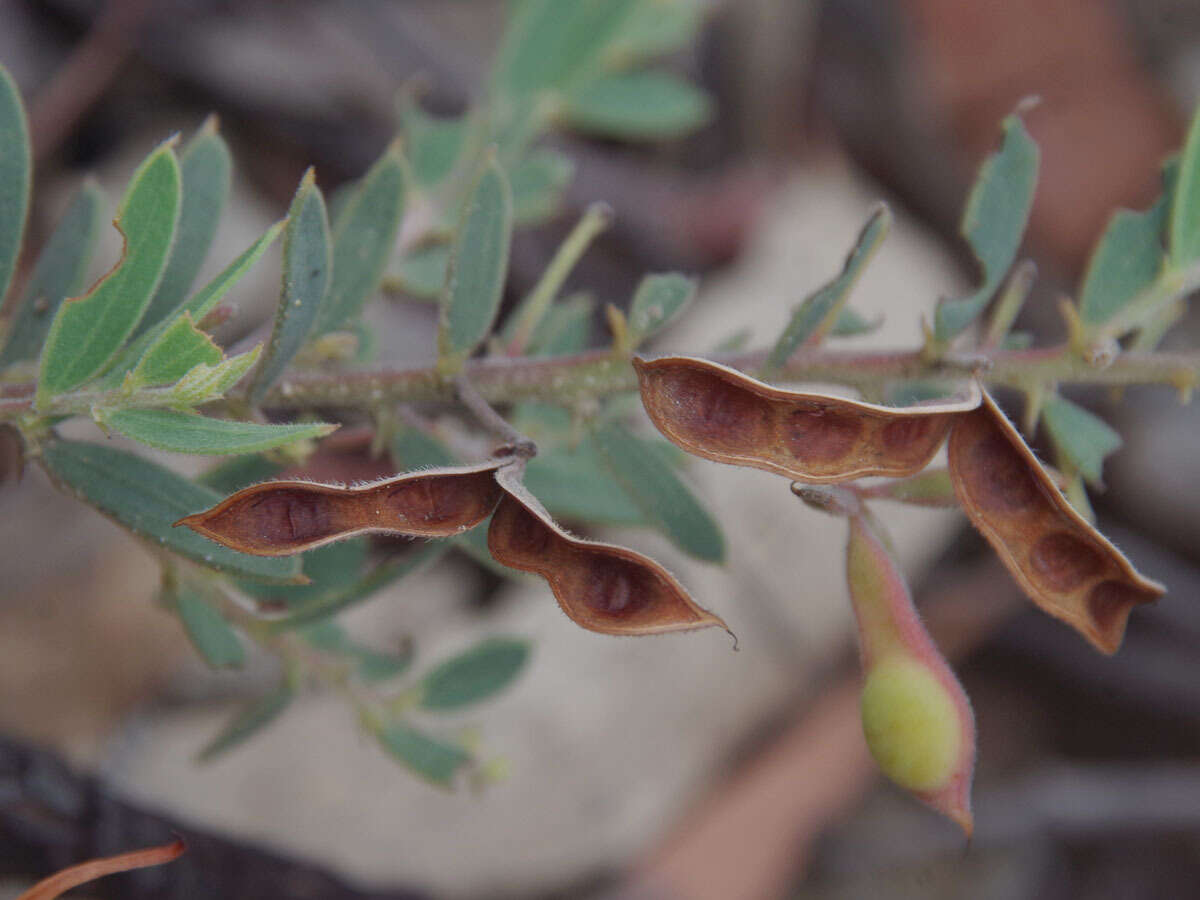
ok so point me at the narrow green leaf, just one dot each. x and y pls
(16, 171)
(174, 353)
(1126, 260)
(659, 299)
(203, 382)
(363, 239)
(850, 323)
(571, 484)
(993, 222)
(206, 171)
(652, 485)
(476, 674)
(307, 260)
(434, 760)
(148, 499)
(636, 106)
(180, 432)
(819, 313)
(213, 637)
(538, 181)
(1081, 439)
(88, 331)
(656, 27)
(478, 267)
(1184, 240)
(251, 720)
(238, 472)
(433, 144)
(372, 664)
(566, 327)
(550, 44)
(58, 274)
(197, 306)
(422, 272)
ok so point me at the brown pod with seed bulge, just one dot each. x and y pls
(279, 518)
(601, 587)
(1063, 563)
(723, 415)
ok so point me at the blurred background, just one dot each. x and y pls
(654, 768)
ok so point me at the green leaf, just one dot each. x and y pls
(203, 382)
(58, 274)
(572, 485)
(1126, 260)
(148, 499)
(566, 327)
(651, 483)
(422, 272)
(655, 27)
(206, 171)
(478, 267)
(372, 665)
(174, 353)
(636, 106)
(238, 472)
(1184, 234)
(476, 674)
(850, 323)
(433, 144)
(993, 222)
(16, 168)
(412, 448)
(88, 331)
(307, 260)
(206, 628)
(251, 720)
(363, 239)
(929, 488)
(333, 567)
(538, 181)
(819, 313)
(1081, 439)
(434, 760)
(659, 299)
(549, 44)
(180, 432)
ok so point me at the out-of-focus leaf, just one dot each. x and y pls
(434, 760)
(654, 28)
(88, 331)
(251, 720)
(474, 545)
(307, 260)
(364, 237)
(174, 353)
(1081, 439)
(433, 145)
(16, 169)
(181, 432)
(206, 628)
(550, 44)
(636, 106)
(412, 448)
(147, 499)
(476, 674)
(238, 472)
(478, 267)
(1125, 261)
(422, 272)
(850, 323)
(206, 170)
(819, 313)
(658, 492)
(929, 488)
(566, 327)
(329, 568)
(993, 222)
(1184, 228)
(657, 301)
(538, 181)
(572, 485)
(372, 665)
(58, 273)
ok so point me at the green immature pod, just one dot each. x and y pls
(916, 717)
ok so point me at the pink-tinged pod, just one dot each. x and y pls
(916, 717)
(601, 587)
(724, 415)
(1060, 560)
(279, 518)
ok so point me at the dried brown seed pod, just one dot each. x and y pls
(601, 587)
(279, 518)
(723, 415)
(1063, 563)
